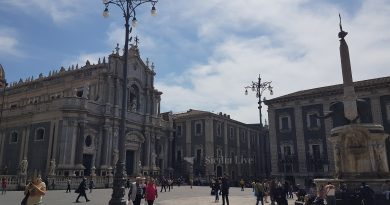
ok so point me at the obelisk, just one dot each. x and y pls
(350, 107)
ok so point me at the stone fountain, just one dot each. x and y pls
(359, 148)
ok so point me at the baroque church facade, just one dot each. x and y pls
(67, 123)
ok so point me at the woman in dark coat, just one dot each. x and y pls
(81, 190)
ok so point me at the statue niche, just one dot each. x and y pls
(133, 104)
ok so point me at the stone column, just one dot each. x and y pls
(170, 150)
(273, 141)
(209, 144)
(237, 137)
(80, 145)
(104, 147)
(147, 150)
(188, 146)
(376, 110)
(2, 138)
(24, 143)
(329, 146)
(300, 150)
(225, 143)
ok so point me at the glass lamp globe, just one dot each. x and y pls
(134, 22)
(153, 11)
(106, 13)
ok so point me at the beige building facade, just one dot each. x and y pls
(208, 145)
(67, 123)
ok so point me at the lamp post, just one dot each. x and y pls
(259, 87)
(128, 8)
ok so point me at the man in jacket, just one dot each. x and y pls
(136, 192)
(225, 191)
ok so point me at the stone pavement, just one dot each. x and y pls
(178, 196)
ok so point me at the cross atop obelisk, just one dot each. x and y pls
(350, 108)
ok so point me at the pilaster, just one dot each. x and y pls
(273, 141)
(376, 110)
(329, 147)
(301, 146)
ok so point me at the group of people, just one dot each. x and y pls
(220, 186)
(142, 189)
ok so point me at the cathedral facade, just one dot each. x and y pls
(67, 123)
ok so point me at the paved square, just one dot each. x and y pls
(183, 195)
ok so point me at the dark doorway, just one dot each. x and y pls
(219, 171)
(290, 179)
(129, 162)
(87, 162)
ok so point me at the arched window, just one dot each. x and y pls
(39, 134)
(14, 137)
(133, 102)
(88, 141)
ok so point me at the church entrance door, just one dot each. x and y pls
(130, 162)
(87, 162)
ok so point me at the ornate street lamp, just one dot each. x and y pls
(128, 8)
(259, 87)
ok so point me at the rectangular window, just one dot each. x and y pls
(285, 123)
(388, 111)
(13, 138)
(198, 128)
(316, 151)
(219, 129)
(313, 121)
(231, 133)
(178, 130)
(287, 151)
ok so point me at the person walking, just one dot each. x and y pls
(68, 186)
(242, 184)
(81, 190)
(128, 183)
(136, 192)
(280, 195)
(266, 191)
(91, 185)
(4, 183)
(170, 184)
(216, 187)
(151, 192)
(366, 194)
(163, 184)
(35, 191)
(330, 192)
(225, 191)
(386, 189)
(259, 192)
(272, 190)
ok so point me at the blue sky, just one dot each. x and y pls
(205, 51)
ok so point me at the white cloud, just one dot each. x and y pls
(59, 10)
(9, 42)
(93, 58)
(292, 43)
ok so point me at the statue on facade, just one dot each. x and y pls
(153, 158)
(86, 91)
(23, 167)
(134, 105)
(115, 157)
(52, 167)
